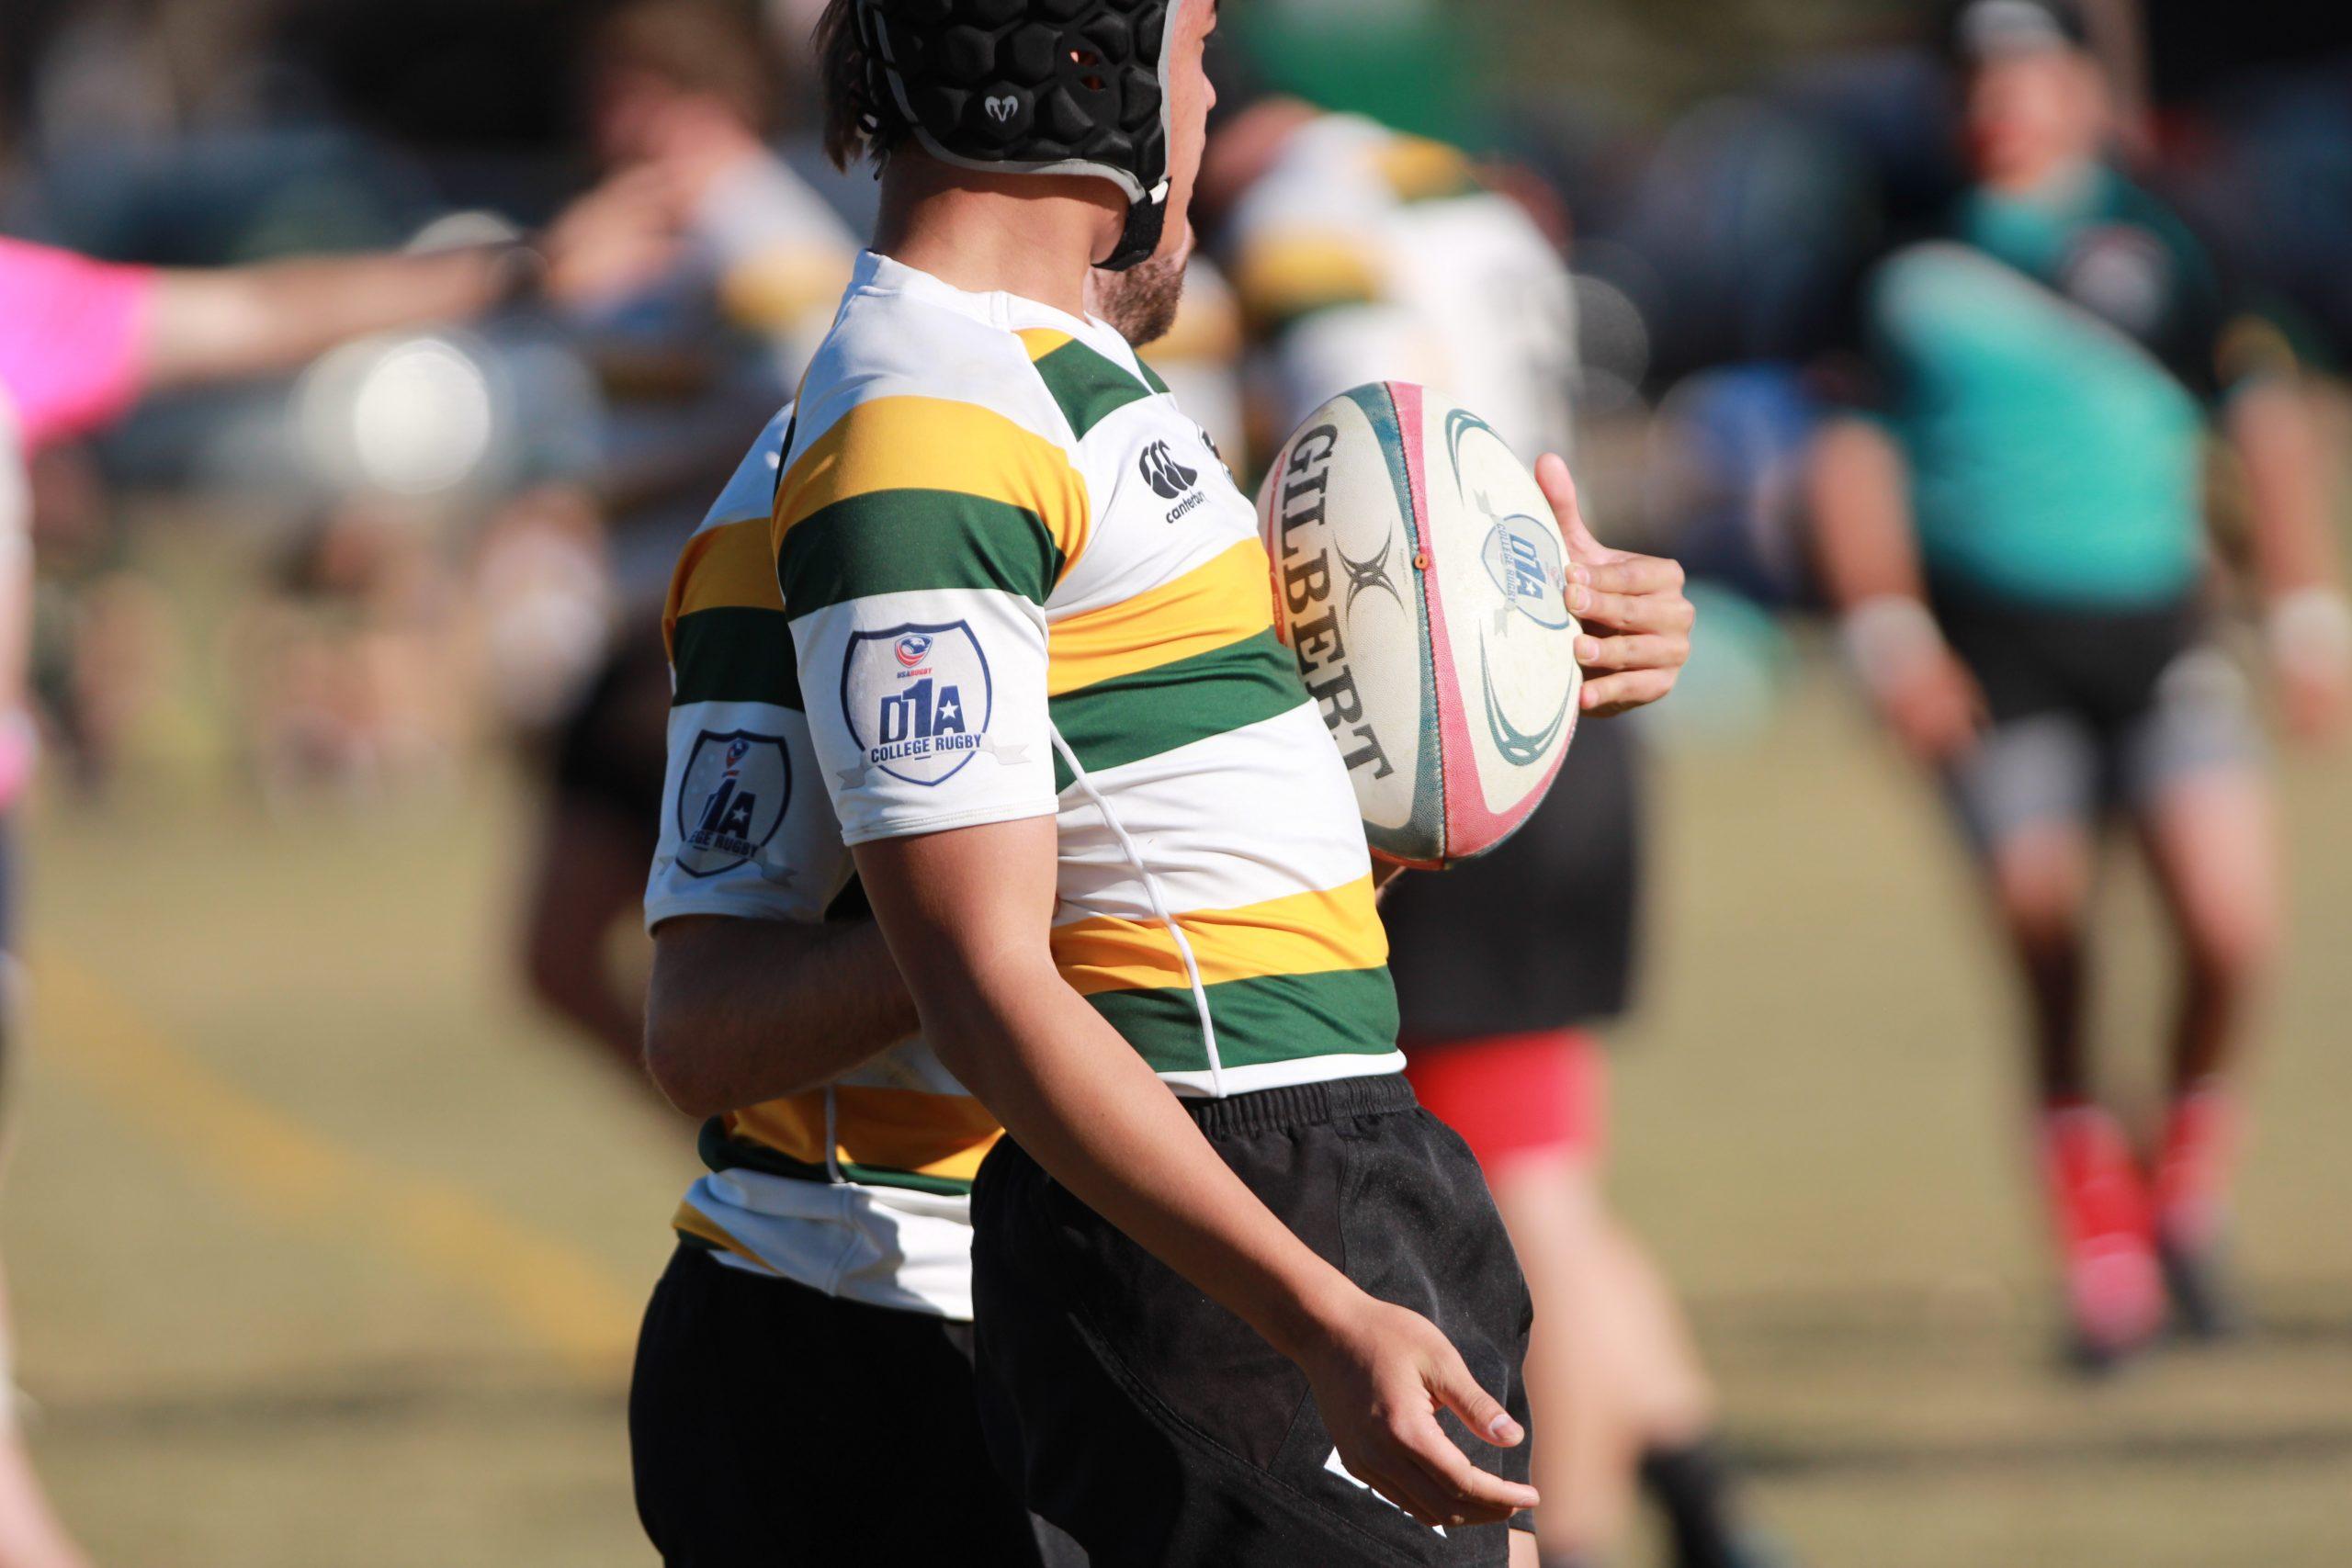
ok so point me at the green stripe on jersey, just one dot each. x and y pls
(736, 654)
(1151, 378)
(1130, 718)
(896, 541)
(1276, 1018)
(1089, 388)
(721, 1152)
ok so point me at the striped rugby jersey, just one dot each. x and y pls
(1021, 581)
(859, 1190)
(1366, 254)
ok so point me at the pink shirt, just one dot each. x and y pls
(72, 336)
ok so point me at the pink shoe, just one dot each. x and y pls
(2114, 1296)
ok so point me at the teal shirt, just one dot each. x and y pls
(2046, 368)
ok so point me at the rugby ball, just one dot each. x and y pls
(1420, 580)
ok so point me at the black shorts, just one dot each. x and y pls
(1539, 932)
(610, 752)
(2092, 712)
(771, 1425)
(1160, 1429)
(2103, 667)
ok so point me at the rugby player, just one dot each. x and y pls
(1112, 849)
(2012, 525)
(771, 1003)
(1362, 254)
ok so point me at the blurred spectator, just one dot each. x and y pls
(695, 359)
(349, 668)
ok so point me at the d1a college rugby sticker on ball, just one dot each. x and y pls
(1421, 581)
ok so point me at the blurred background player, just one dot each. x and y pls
(81, 343)
(2017, 542)
(680, 97)
(1361, 253)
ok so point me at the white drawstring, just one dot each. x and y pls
(832, 1140)
(1159, 908)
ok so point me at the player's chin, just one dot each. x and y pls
(1176, 253)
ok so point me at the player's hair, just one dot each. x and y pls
(854, 129)
(714, 48)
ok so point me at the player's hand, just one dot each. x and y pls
(2309, 634)
(1934, 705)
(1381, 1374)
(1636, 622)
(2316, 701)
(617, 238)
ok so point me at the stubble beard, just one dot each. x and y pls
(1141, 303)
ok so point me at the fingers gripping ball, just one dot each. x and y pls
(1421, 578)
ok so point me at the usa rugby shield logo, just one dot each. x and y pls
(918, 700)
(732, 799)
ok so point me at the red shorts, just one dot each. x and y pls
(1510, 1095)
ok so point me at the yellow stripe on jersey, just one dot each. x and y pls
(877, 1132)
(781, 288)
(726, 568)
(1305, 934)
(1208, 326)
(1418, 169)
(1286, 276)
(941, 1136)
(1042, 341)
(1215, 605)
(936, 443)
(691, 1221)
(794, 1125)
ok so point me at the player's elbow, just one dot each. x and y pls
(678, 1060)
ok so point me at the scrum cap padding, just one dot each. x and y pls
(1072, 87)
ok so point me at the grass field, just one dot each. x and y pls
(326, 1252)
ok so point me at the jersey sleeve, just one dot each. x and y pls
(2226, 339)
(918, 540)
(71, 339)
(746, 827)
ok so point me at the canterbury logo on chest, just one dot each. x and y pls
(1160, 470)
(1118, 409)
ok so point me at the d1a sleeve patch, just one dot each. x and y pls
(732, 799)
(917, 700)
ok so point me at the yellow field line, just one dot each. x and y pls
(559, 1298)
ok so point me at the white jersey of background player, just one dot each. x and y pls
(1364, 254)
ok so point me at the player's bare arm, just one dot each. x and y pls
(273, 317)
(2296, 565)
(967, 912)
(1869, 562)
(744, 1010)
